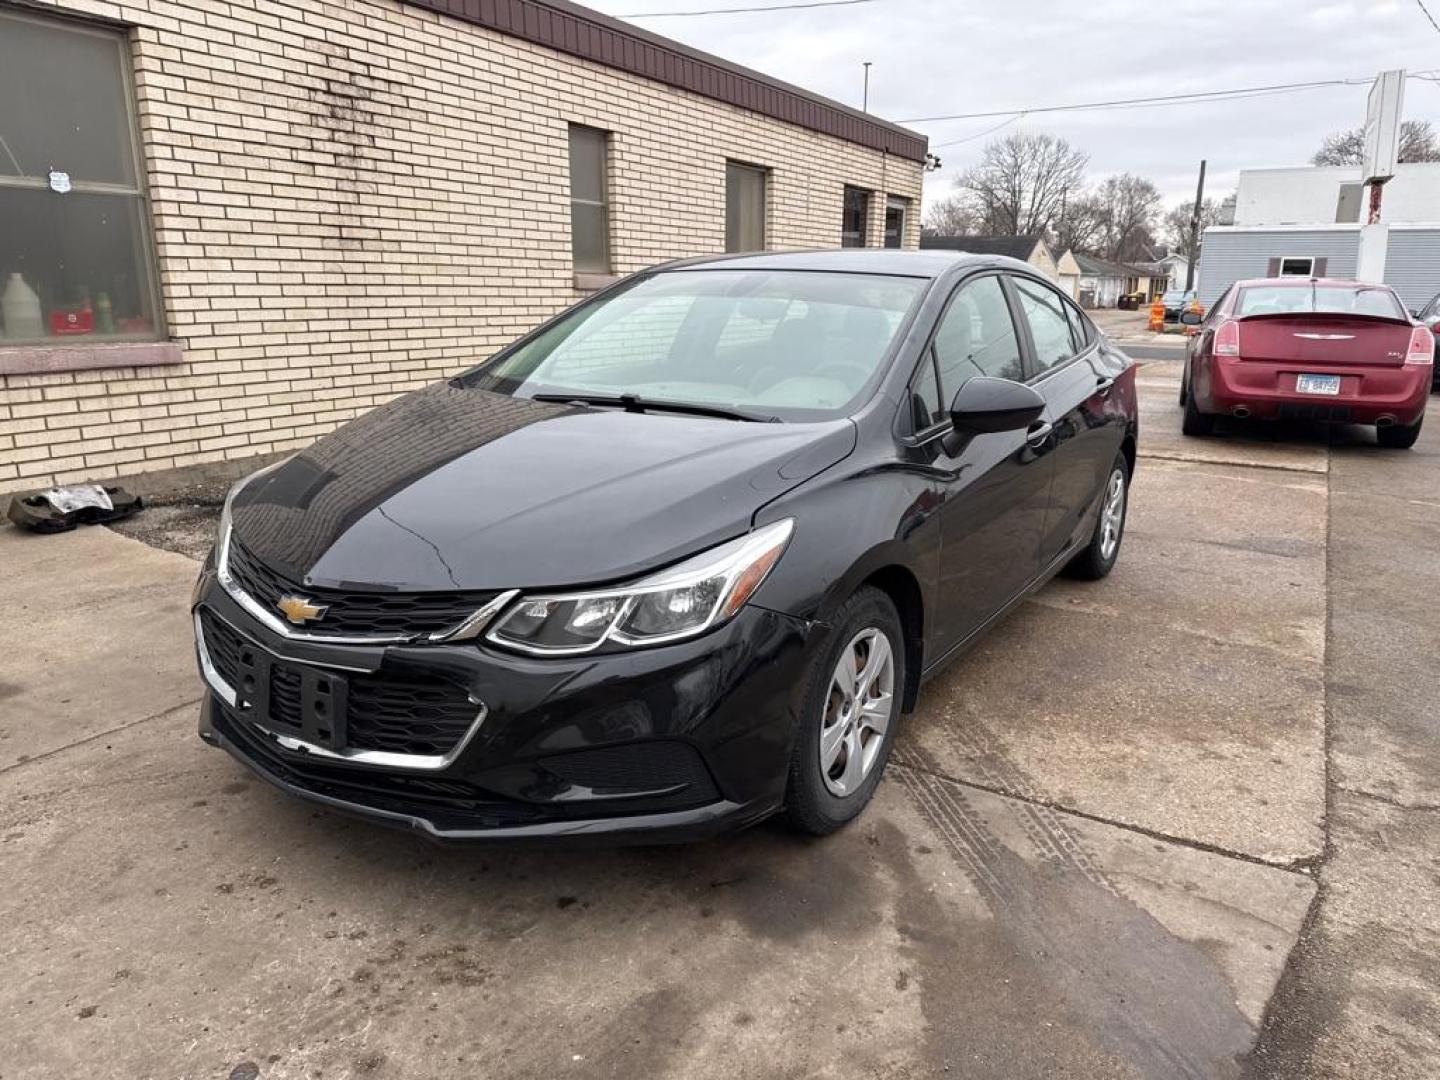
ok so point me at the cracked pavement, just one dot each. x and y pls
(1178, 823)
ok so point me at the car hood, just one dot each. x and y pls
(451, 488)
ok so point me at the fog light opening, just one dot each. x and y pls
(1385, 421)
(1240, 412)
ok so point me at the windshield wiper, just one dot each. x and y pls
(636, 404)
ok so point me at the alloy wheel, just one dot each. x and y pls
(1112, 515)
(858, 710)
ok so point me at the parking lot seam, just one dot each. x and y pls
(98, 735)
(1389, 800)
(1184, 459)
(1284, 1019)
(1304, 865)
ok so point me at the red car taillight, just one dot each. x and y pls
(1422, 347)
(1227, 339)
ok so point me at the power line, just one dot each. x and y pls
(1179, 99)
(740, 10)
(978, 135)
(1428, 15)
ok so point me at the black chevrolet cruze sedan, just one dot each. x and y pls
(677, 560)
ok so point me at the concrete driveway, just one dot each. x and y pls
(1182, 822)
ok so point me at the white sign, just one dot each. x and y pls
(1382, 125)
(60, 182)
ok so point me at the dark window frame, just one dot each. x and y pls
(136, 195)
(863, 234)
(605, 202)
(764, 175)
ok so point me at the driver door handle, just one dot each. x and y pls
(1039, 432)
(1103, 383)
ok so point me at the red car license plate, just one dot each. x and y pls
(1318, 384)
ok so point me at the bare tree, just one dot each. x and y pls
(1080, 225)
(1417, 143)
(1128, 207)
(1177, 224)
(952, 216)
(1022, 182)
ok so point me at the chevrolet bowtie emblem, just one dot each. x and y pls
(299, 610)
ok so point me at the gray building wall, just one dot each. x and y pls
(1231, 254)
(1412, 265)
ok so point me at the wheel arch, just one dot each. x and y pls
(900, 585)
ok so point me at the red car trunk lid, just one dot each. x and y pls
(1316, 340)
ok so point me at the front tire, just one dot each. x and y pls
(1098, 557)
(1399, 436)
(851, 711)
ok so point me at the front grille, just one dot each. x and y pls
(403, 711)
(356, 613)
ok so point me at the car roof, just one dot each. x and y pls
(930, 263)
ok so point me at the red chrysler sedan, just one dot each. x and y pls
(1309, 349)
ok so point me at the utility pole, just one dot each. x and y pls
(865, 99)
(1195, 229)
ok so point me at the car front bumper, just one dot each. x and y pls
(1266, 390)
(671, 743)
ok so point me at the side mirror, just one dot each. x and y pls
(1191, 318)
(985, 405)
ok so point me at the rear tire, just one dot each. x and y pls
(1399, 436)
(1098, 557)
(1195, 422)
(826, 790)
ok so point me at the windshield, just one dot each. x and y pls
(1175, 296)
(792, 344)
(1322, 299)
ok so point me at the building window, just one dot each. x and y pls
(856, 218)
(744, 207)
(75, 248)
(1297, 267)
(589, 200)
(897, 212)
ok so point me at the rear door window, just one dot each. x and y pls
(1050, 330)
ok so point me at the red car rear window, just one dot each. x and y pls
(1304, 297)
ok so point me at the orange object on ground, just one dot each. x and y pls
(1157, 314)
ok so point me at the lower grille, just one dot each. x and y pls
(402, 711)
(448, 804)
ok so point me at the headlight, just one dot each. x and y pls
(685, 600)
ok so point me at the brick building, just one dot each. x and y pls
(227, 226)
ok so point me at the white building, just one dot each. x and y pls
(1309, 221)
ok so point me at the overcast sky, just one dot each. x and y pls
(934, 57)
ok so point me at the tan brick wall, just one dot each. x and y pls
(352, 199)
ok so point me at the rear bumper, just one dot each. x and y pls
(1266, 390)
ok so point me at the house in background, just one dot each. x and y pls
(1068, 272)
(1030, 249)
(227, 226)
(1103, 282)
(1307, 222)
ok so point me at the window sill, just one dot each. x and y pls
(594, 282)
(49, 359)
